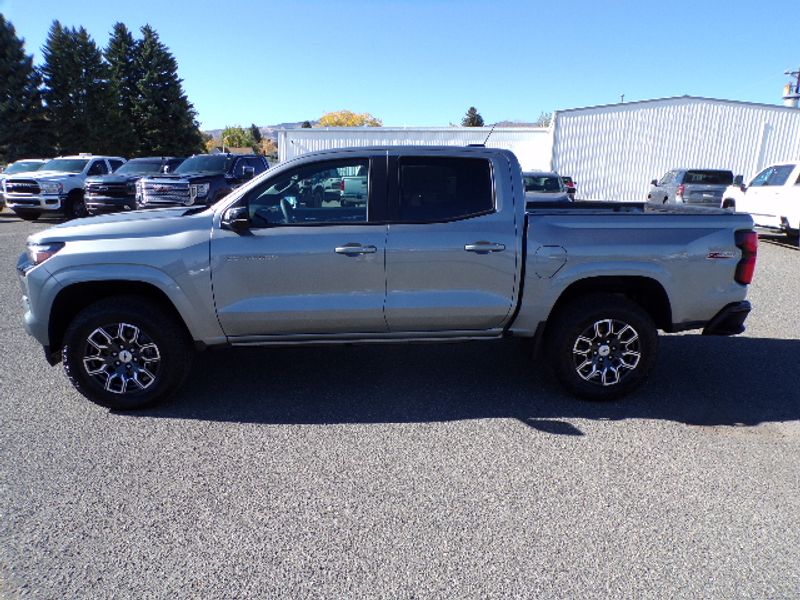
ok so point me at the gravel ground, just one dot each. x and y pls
(445, 471)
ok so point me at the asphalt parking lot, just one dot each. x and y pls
(446, 471)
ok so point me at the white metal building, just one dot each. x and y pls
(532, 145)
(612, 151)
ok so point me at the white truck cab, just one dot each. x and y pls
(772, 197)
(57, 187)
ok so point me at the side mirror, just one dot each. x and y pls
(236, 219)
(654, 182)
(248, 173)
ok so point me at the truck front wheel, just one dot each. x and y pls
(75, 206)
(125, 352)
(602, 346)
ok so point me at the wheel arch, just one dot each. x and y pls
(73, 298)
(644, 291)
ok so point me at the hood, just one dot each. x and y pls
(113, 178)
(44, 175)
(192, 175)
(125, 225)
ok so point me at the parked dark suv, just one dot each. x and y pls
(201, 179)
(116, 192)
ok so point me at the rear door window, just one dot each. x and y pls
(435, 189)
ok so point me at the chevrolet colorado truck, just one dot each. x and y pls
(442, 250)
(202, 179)
(57, 186)
(772, 197)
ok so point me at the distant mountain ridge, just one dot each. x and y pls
(268, 131)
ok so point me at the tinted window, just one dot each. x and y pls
(780, 174)
(98, 168)
(321, 193)
(141, 165)
(709, 177)
(542, 183)
(115, 164)
(442, 189)
(206, 163)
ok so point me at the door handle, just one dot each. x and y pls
(355, 249)
(484, 247)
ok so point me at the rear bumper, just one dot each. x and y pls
(730, 320)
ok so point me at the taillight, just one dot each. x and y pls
(341, 185)
(747, 242)
(681, 189)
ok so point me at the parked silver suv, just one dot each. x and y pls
(690, 186)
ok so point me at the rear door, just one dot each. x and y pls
(450, 253)
(303, 270)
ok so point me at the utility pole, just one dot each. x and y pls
(796, 75)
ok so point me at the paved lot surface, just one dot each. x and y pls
(455, 471)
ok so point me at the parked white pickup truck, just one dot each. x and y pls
(772, 197)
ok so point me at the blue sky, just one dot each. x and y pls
(423, 63)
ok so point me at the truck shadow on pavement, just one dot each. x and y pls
(698, 380)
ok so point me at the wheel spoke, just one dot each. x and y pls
(606, 352)
(124, 363)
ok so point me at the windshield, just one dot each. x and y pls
(207, 163)
(22, 166)
(140, 166)
(542, 183)
(65, 165)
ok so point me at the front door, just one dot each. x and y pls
(302, 268)
(451, 254)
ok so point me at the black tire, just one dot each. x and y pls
(27, 215)
(75, 206)
(126, 352)
(602, 346)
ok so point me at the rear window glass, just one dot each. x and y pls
(444, 189)
(709, 177)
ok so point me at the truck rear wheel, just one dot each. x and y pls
(602, 346)
(126, 352)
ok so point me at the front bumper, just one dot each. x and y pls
(42, 202)
(109, 204)
(730, 320)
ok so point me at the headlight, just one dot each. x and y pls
(51, 187)
(199, 190)
(38, 253)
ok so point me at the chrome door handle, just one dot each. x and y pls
(354, 249)
(484, 247)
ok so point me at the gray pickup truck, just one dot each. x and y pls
(442, 250)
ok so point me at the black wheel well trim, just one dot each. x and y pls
(77, 296)
(646, 292)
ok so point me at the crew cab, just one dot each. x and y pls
(443, 249)
(772, 197)
(57, 186)
(117, 191)
(202, 179)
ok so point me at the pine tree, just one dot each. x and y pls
(255, 132)
(22, 125)
(124, 75)
(165, 118)
(473, 118)
(77, 96)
